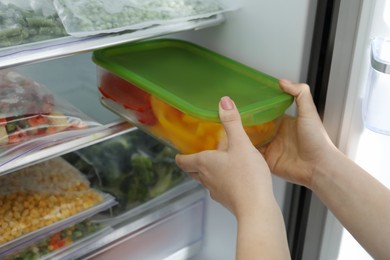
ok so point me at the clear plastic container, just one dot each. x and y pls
(171, 89)
(376, 106)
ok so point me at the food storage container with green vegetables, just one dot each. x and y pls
(171, 89)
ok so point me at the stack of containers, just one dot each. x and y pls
(171, 89)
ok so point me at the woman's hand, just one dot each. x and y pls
(303, 153)
(301, 143)
(237, 175)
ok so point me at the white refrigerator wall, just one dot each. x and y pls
(271, 36)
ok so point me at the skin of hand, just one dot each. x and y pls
(220, 171)
(302, 153)
(301, 142)
(238, 177)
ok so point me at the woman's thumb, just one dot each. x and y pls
(231, 120)
(302, 95)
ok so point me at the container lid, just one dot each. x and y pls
(193, 79)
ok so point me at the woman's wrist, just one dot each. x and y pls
(324, 168)
(256, 206)
(262, 231)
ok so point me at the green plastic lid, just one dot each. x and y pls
(193, 79)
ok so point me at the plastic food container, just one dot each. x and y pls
(171, 89)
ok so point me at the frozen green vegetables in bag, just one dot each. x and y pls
(89, 17)
(20, 23)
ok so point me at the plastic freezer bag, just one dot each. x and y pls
(31, 117)
(90, 17)
(37, 197)
(65, 240)
(133, 167)
(27, 21)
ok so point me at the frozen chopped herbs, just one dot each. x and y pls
(133, 167)
(19, 26)
(87, 17)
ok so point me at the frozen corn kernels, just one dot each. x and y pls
(41, 195)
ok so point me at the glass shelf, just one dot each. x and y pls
(110, 131)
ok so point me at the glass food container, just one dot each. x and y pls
(171, 89)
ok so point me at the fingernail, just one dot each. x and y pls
(227, 103)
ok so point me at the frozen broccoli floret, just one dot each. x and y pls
(167, 174)
(163, 184)
(143, 167)
(136, 191)
(166, 153)
(141, 178)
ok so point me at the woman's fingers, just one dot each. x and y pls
(231, 120)
(191, 164)
(188, 163)
(302, 95)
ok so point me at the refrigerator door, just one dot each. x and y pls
(358, 22)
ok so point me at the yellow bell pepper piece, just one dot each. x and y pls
(261, 134)
(186, 133)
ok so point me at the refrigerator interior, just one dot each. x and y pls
(74, 79)
(260, 34)
(359, 23)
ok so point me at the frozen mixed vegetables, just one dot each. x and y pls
(133, 167)
(57, 241)
(40, 195)
(19, 26)
(29, 110)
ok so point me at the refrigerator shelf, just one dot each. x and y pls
(111, 130)
(139, 235)
(65, 46)
(71, 250)
(35, 235)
